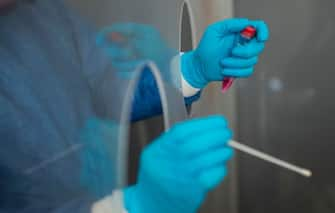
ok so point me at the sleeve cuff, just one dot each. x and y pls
(185, 87)
(190, 100)
(111, 204)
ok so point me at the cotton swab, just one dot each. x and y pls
(243, 148)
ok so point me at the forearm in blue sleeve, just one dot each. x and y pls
(147, 102)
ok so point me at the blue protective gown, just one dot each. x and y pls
(50, 85)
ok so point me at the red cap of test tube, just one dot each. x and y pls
(249, 32)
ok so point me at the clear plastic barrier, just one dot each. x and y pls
(70, 84)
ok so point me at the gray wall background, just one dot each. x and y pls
(288, 107)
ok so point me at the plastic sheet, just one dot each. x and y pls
(68, 94)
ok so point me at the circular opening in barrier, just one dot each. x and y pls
(186, 29)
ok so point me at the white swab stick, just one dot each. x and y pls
(268, 158)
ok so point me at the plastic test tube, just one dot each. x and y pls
(245, 36)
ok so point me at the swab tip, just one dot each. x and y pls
(307, 173)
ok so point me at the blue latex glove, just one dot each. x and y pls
(219, 55)
(130, 45)
(179, 168)
(98, 156)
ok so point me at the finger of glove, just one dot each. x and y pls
(128, 66)
(119, 54)
(210, 159)
(262, 30)
(198, 144)
(128, 30)
(230, 26)
(197, 126)
(252, 49)
(125, 29)
(239, 73)
(234, 62)
(108, 37)
(116, 35)
(211, 178)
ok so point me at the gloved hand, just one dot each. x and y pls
(219, 55)
(131, 44)
(179, 168)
